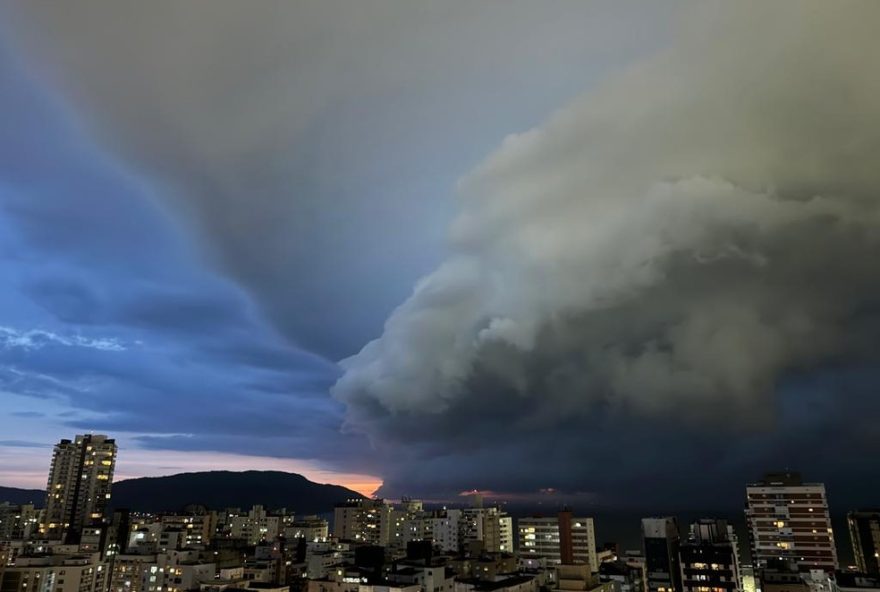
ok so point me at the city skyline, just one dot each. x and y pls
(786, 519)
(616, 252)
(80, 541)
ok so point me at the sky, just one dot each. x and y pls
(616, 252)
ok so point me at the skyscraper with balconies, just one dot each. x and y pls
(788, 520)
(78, 491)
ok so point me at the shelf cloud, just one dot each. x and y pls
(669, 248)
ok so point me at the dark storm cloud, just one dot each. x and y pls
(824, 424)
(655, 280)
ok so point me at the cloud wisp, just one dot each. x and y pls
(33, 339)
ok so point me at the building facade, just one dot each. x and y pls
(489, 528)
(710, 559)
(310, 528)
(18, 522)
(444, 529)
(624, 576)
(48, 573)
(864, 534)
(79, 485)
(255, 526)
(364, 520)
(789, 520)
(661, 540)
(197, 529)
(559, 539)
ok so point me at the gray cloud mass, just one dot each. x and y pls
(659, 256)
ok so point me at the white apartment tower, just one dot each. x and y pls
(408, 522)
(444, 529)
(789, 520)
(78, 491)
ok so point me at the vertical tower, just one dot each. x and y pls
(864, 533)
(566, 548)
(78, 491)
(789, 520)
(505, 533)
(363, 520)
(709, 558)
(661, 542)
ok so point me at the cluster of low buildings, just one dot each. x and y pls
(77, 544)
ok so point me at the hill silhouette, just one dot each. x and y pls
(17, 496)
(215, 490)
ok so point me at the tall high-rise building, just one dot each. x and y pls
(409, 523)
(789, 520)
(363, 520)
(864, 533)
(661, 542)
(561, 539)
(78, 491)
(710, 558)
